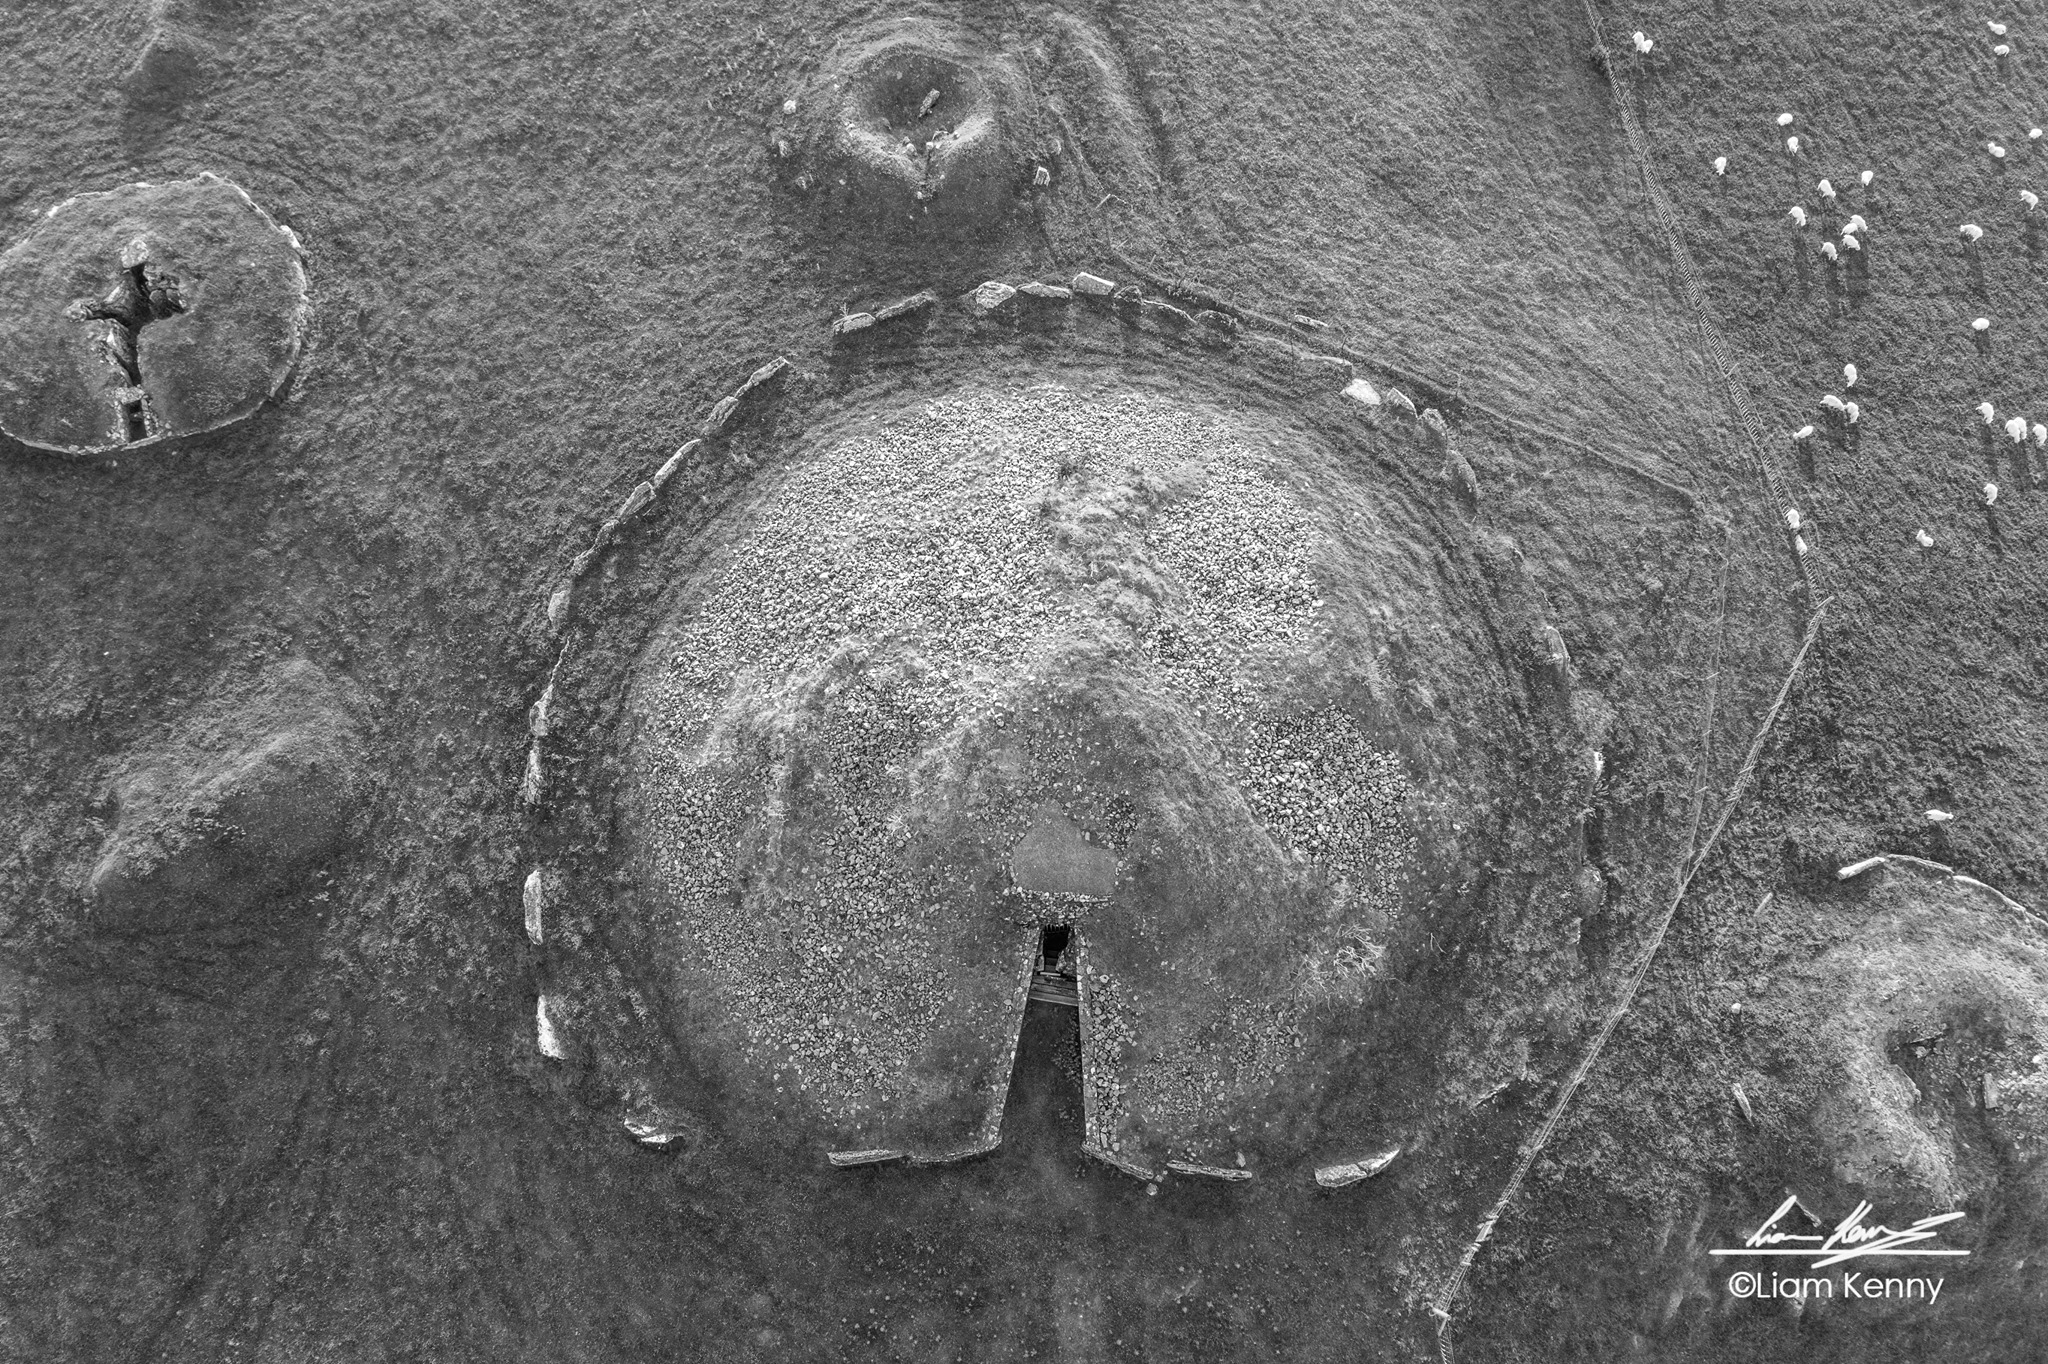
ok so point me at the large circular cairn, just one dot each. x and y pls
(917, 118)
(1029, 658)
(146, 312)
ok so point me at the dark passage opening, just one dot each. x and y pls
(137, 299)
(1052, 949)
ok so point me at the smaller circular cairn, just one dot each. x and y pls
(146, 312)
(918, 118)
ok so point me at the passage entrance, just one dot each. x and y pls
(1052, 975)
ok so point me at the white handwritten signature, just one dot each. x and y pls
(1849, 1240)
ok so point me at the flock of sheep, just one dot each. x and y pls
(1853, 230)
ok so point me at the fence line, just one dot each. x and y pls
(1693, 290)
(1689, 866)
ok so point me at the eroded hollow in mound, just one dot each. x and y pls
(144, 313)
(1028, 657)
(917, 119)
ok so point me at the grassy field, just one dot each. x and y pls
(542, 240)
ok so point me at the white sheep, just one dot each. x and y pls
(1849, 242)
(1996, 151)
(1799, 545)
(1848, 376)
(2016, 429)
(1798, 216)
(1980, 325)
(1867, 177)
(1792, 146)
(1851, 413)
(1997, 29)
(1831, 402)
(1720, 165)
(1923, 539)
(1792, 518)
(2041, 435)
(1804, 433)
(1643, 43)
(1855, 224)
(1828, 249)
(2002, 50)
(1990, 494)
(1826, 188)
(1939, 816)
(2030, 199)
(1987, 412)
(1784, 120)
(1971, 233)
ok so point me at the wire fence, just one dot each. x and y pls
(1689, 865)
(1767, 455)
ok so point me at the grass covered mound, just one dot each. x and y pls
(144, 313)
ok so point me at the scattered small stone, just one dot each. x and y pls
(1045, 293)
(1094, 285)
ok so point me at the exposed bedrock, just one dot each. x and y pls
(146, 312)
(241, 801)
